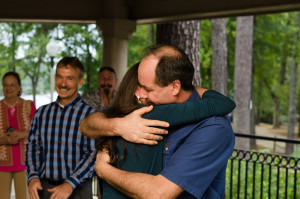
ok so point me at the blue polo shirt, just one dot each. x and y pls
(196, 155)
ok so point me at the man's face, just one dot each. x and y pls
(152, 92)
(67, 82)
(107, 81)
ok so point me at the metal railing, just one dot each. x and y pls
(253, 174)
(95, 187)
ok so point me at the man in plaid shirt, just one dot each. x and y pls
(59, 159)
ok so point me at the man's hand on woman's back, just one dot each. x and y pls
(136, 129)
(132, 127)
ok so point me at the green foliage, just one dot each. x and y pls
(296, 153)
(140, 40)
(11, 40)
(83, 41)
(273, 45)
(253, 180)
(231, 33)
(33, 64)
(23, 48)
(23, 51)
(205, 53)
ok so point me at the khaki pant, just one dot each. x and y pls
(20, 184)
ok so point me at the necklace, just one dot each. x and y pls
(11, 108)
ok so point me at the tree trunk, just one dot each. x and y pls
(185, 35)
(276, 119)
(298, 118)
(257, 109)
(293, 90)
(35, 78)
(251, 107)
(252, 124)
(34, 86)
(283, 70)
(292, 107)
(89, 71)
(219, 56)
(243, 79)
(13, 46)
(275, 100)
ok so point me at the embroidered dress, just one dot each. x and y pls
(12, 157)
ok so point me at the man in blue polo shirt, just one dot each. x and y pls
(194, 161)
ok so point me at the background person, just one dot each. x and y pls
(15, 116)
(102, 98)
(59, 159)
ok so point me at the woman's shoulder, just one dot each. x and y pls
(29, 104)
(25, 100)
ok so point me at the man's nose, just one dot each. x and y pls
(106, 80)
(63, 82)
(143, 93)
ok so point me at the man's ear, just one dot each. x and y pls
(176, 86)
(81, 80)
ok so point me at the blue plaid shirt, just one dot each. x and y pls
(56, 150)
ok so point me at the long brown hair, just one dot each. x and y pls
(123, 104)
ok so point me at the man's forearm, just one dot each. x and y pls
(132, 127)
(138, 185)
(22, 134)
(97, 125)
(131, 184)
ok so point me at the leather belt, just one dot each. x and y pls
(53, 182)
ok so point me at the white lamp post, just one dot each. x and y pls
(52, 49)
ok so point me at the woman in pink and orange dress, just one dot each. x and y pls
(15, 118)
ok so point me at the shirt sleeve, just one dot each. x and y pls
(32, 161)
(85, 167)
(211, 104)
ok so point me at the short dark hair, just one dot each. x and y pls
(14, 74)
(106, 68)
(173, 64)
(74, 62)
